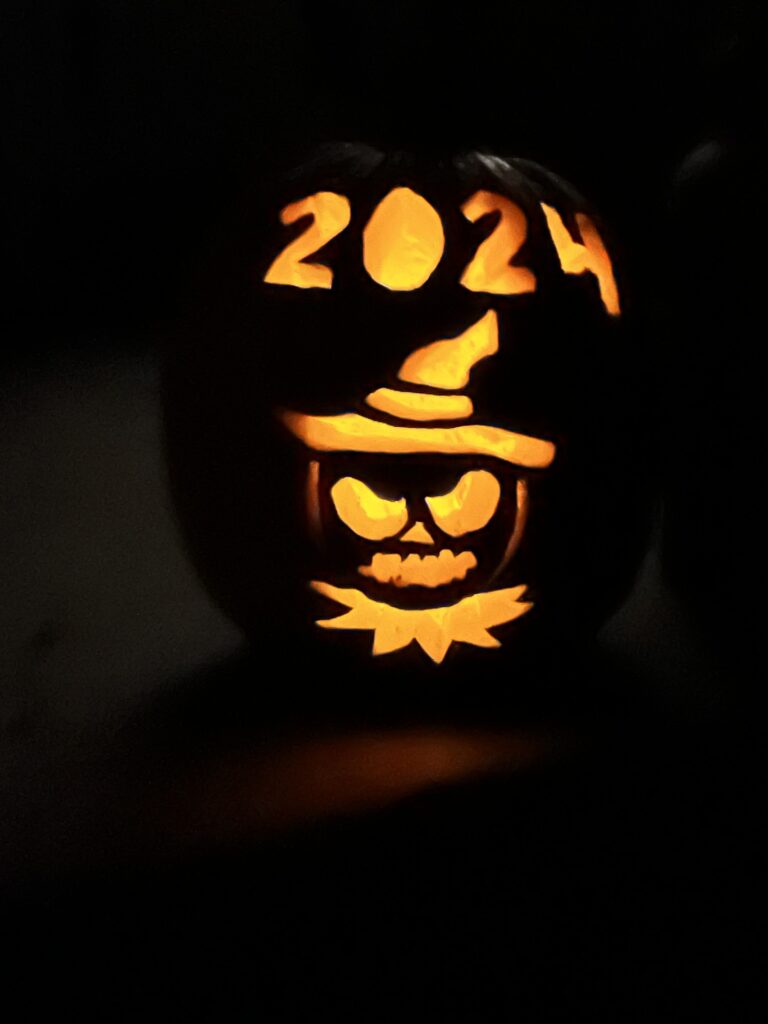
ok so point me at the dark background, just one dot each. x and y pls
(130, 131)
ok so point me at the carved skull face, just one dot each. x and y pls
(416, 531)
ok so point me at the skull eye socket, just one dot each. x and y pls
(469, 506)
(364, 512)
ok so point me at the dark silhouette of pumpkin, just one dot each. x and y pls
(566, 373)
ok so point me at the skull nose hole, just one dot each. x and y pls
(418, 534)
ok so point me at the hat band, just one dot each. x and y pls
(417, 405)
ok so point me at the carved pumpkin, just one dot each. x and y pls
(404, 425)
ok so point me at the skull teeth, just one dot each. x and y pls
(417, 571)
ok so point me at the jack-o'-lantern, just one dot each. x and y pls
(401, 427)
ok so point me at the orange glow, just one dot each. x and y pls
(330, 215)
(419, 406)
(590, 258)
(469, 506)
(354, 433)
(517, 534)
(434, 629)
(413, 571)
(403, 241)
(296, 777)
(447, 364)
(364, 512)
(490, 270)
(313, 499)
(417, 534)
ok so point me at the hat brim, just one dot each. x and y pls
(351, 432)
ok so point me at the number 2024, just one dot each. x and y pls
(404, 241)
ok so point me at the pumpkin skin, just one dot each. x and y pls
(566, 373)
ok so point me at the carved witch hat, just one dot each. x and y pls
(442, 367)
